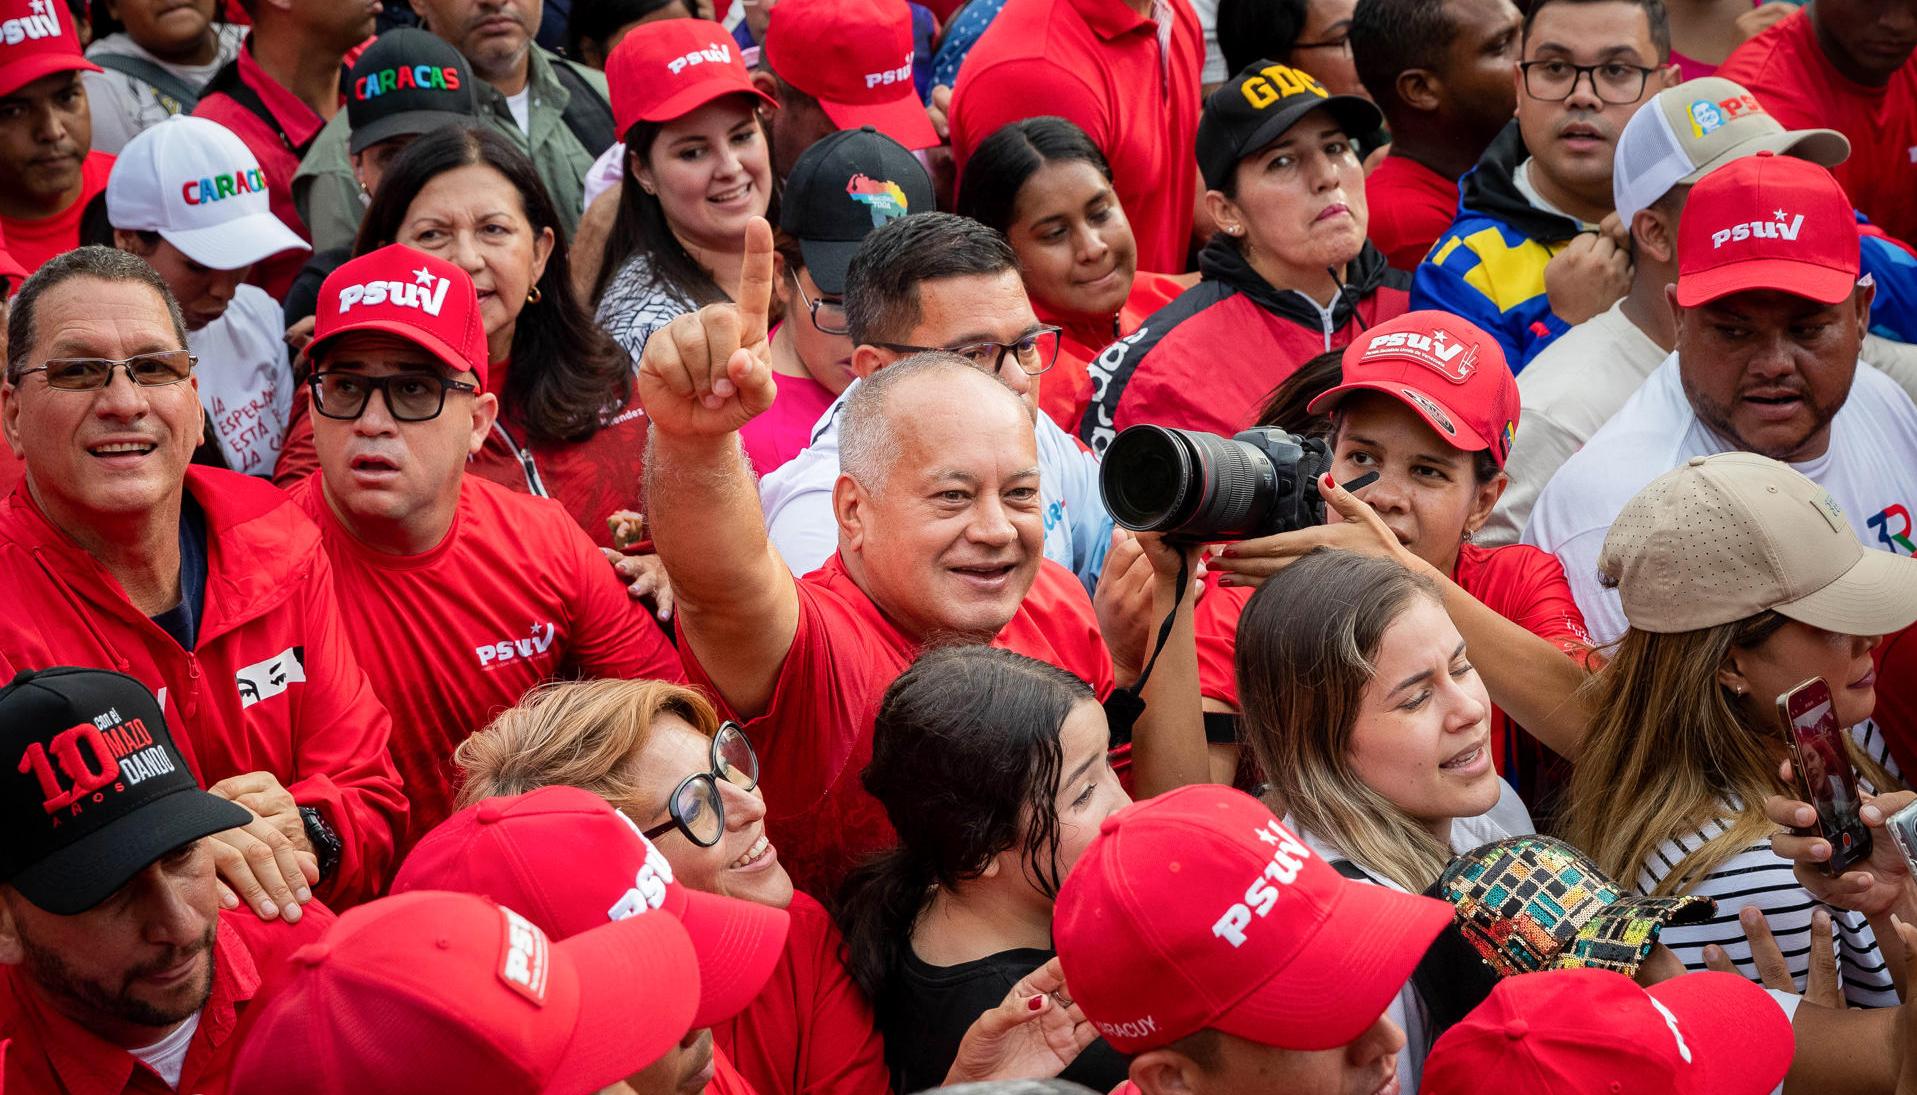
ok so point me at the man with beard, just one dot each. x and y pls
(1770, 314)
(49, 176)
(1534, 249)
(118, 969)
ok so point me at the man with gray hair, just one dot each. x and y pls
(940, 528)
(207, 586)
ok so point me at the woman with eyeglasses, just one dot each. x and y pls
(698, 168)
(994, 770)
(1046, 187)
(659, 754)
(569, 426)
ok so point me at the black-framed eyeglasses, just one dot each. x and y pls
(1342, 44)
(1552, 81)
(90, 374)
(1034, 353)
(410, 397)
(833, 321)
(695, 806)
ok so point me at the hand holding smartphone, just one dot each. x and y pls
(1824, 772)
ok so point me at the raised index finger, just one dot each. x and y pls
(755, 283)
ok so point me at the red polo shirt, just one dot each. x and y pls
(1411, 206)
(1788, 72)
(52, 1053)
(278, 144)
(1099, 64)
(816, 735)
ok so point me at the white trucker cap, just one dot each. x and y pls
(197, 184)
(1686, 131)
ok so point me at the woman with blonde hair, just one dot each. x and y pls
(1741, 580)
(1361, 706)
(659, 753)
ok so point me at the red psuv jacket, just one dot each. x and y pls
(273, 685)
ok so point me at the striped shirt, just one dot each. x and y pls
(1754, 876)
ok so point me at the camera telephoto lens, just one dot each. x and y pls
(1199, 486)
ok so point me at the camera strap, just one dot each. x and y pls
(1124, 705)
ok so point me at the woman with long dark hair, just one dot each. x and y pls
(1046, 187)
(570, 426)
(698, 168)
(993, 769)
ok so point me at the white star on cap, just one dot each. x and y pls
(1439, 335)
(1778, 213)
(423, 276)
(39, 7)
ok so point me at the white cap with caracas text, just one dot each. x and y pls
(197, 184)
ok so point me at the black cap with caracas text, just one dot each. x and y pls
(94, 788)
(841, 189)
(408, 82)
(1257, 106)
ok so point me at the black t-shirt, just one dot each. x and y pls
(928, 1011)
(182, 621)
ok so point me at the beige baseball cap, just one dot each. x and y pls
(1686, 132)
(1725, 537)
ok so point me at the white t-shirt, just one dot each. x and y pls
(245, 383)
(1567, 392)
(1755, 876)
(1870, 469)
(122, 106)
(797, 499)
(521, 107)
(168, 1055)
(1508, 818)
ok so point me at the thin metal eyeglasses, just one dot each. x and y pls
(410, 397)
(90, 374)
(1614, 82)
(1034, 353)
(1342, 44)
(834, 306)
(695, 806)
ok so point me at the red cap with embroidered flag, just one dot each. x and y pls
(1767, 222)
(451, 992)
(1197, 910)
(667, 69)
(412, 295)
(1441, 366)
(570, 861)
(37, 39)
(855, 58)
(1593, 1030)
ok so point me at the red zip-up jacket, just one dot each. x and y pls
(272, 685)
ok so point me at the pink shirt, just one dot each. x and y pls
(776, 436)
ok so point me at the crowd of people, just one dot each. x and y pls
(613, 564)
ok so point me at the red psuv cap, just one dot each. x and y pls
(855, 58)
(1767, 222)
(1443, 367)
(667, 69)
(450, 992)
(1197, 909)
(408, 294)
(570, 861)
(1590, 1030)
(37, 39)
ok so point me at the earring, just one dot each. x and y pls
(532, 295)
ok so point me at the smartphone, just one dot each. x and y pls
(1824, 771)
(1903, 831)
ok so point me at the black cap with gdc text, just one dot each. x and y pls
(94, 788)
(840, 190)
(1257, 106)
(408, 82)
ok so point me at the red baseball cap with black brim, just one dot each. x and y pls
(569, 861)
(408, 294)
(1256, 107)
(1445, 368)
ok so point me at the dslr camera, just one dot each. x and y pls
(1201, 487)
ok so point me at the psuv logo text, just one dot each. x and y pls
(1287, 859)
(649, 882)
(897, 75)
(716, 53)
(1777, 228)
(538, 640)
(425, 292)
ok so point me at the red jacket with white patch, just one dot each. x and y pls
(272, 685)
